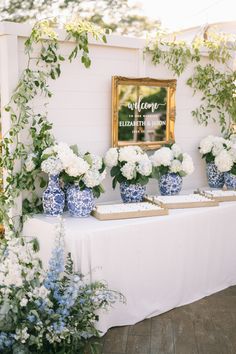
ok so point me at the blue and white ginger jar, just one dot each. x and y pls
(215, 177)
(132, 193)
(80, 203)
(53, 197)
(170, 184)
(230, 180)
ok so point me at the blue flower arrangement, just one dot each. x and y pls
(52, 311)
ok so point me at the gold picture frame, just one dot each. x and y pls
(143, 112)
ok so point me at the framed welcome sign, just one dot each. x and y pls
(143, 111)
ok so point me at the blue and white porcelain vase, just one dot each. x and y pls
(132, 193)
(214, 176)
(230, 180)
(170, 184)
(53, 197)
(80, 203)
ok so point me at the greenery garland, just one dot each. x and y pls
(218, 86)
(34, 84)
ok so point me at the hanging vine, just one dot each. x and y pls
(42, 65)
(218, 86)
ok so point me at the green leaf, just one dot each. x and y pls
(115, 171)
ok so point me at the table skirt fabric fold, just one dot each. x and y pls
(157, 263)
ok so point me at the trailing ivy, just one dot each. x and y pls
(217, 86)
(43, 64)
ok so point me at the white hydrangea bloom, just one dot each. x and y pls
(187, 164)
(65, 154)
(176, 166)
(224, 161)
(163, 156)
(111, 157)
(206, 144)
(23, 302)
(52, 166)
(29, 163)
(129, 154)
(218, 145)
(144, 167)
(96, 161)
(128, 170)
(76, 166)
(176, 150)
(93, 178)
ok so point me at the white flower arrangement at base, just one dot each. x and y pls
(51, 311)
(211, 146)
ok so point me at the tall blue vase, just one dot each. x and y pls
(132, 193)
(170, 184)
(53, 197)
(215, 178)
(80, 203)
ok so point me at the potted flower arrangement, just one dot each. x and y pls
(47, 311)
(210, 147)
(225, 162)
(131, 168)
(82, 175)
(170, 165)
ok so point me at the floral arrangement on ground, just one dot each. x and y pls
(52, 311)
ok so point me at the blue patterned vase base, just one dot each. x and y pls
(53, 198)
(230, 181)
(133, 193)
(215, 178)
(80, 203)
(170, 184)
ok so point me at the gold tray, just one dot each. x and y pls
(128, 214)
(227, 196)
(209, 202)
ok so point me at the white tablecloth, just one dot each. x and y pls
(158, 263)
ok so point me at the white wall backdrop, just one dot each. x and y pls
(80, 108)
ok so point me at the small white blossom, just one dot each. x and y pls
(52, 166)
(111, 157)
(128, 170)
(206, 144)
(224, 161)
(176, 166)
(187, 164)
(23, 302)
(29, 163)
(129, 154)
(144, 167)
(163, 156)
(176, 150)
(22, 335)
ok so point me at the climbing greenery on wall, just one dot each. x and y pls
(44, 63)
(216, 81)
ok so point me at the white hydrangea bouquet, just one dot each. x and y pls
(226, 159)
(84, 169)
(211, 146)
(51, 311)
(128, 164)
(171, 159)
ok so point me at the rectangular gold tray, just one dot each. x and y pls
(220, 198)
(184, 205)
(128, 214)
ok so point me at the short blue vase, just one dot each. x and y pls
(170, 184)
(80, 203)
(53, 197)
(132, 193)
(230, 180)
(215, 178)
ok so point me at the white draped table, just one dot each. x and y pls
(157, 263)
